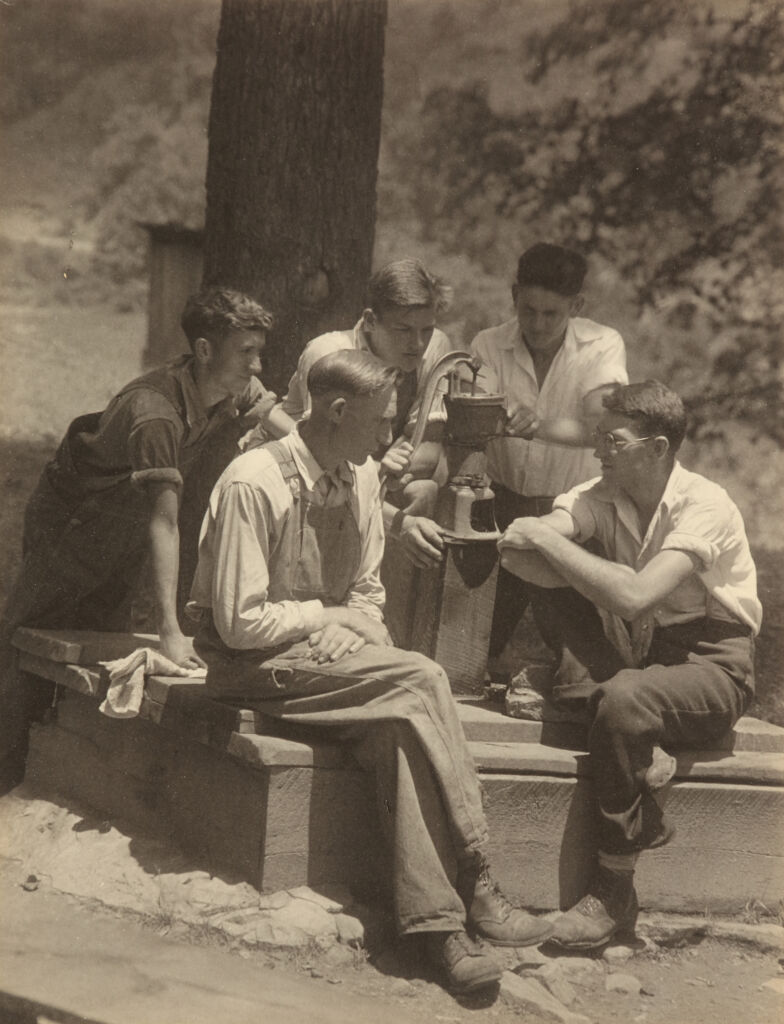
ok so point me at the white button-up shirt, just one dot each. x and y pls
(591, 356)
(247, 510)
(694, 515)
(297, 401)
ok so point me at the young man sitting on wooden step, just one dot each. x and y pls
(656, 636)
(291, 623)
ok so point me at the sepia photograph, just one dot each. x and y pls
(391, 535)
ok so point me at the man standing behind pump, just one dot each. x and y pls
(398, 326)
(554, 367)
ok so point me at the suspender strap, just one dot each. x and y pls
(286, 465)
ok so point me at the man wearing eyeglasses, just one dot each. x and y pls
(656, 635)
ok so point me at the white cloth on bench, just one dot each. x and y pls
(126, 680)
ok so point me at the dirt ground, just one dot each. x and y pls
(74, 873)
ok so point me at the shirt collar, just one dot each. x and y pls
(674, 486)
(582, 330)
(626, 508)
(512, 340)
(309, 468)
(510, 335)
(196, 412)
(579, 331)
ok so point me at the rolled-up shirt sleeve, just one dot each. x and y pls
(243, 615)
(153, 451)
(580, 507)
(701, 529)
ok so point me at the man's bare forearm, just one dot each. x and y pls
(607, 584)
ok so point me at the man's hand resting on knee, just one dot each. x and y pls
(371, 631)
(332, 642)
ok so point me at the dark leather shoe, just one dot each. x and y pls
(466, 965)
(491, 915)
(609, 909)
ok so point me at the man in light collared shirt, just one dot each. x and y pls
(398, 326)
(554, 367)
(656, 635)
(291, 622)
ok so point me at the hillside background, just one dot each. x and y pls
(647, 133)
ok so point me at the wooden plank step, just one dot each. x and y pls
(81, 647)
(181, 704)
(750, 767)
(483, 720)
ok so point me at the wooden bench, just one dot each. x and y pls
(283, 810)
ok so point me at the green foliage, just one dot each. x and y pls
(662, 162)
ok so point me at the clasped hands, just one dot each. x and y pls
(345, 631)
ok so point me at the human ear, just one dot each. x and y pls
(202, 350)
(369, 319)
(577, 304)
(336, 409)
(661, 446)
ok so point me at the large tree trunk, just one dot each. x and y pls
(293, 150)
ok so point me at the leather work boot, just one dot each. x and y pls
(491, 915)
(609, 908)
(466, 965)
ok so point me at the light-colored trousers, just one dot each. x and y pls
(396, 710)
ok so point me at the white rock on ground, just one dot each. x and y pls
(530, 995)
(625, 983)
(617, 954)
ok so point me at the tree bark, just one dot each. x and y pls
(294, 133)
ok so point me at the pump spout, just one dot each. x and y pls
(446, 364)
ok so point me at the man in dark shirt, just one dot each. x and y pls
(109, 501)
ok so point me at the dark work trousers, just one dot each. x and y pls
(513, 595)
(697, 681)
(79, 569)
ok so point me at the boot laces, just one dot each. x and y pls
(486, 879)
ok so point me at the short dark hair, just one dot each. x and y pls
(406, 283)
(654, 408)
(349, 372)
(552, 267)
(213, 312)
